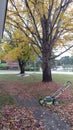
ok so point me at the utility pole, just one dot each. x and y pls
(3, 10)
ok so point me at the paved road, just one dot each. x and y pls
(9, 72)
(59, 72)
(17, 72)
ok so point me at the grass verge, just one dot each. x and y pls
(36, 78)
(5, 98)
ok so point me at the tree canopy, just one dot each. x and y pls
(16, 47)
(45, 23)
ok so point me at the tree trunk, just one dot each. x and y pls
(46, 50)
(46, 67)
(22, 70)
(22, 65)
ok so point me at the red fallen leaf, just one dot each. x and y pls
(65, 112)
(16, 118)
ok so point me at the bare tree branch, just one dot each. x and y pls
(38, 35)
(62, 52)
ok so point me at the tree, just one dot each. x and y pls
(45, 23)
(66, 60)
(71, 60)
(17, 48)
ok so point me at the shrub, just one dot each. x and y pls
(3, 66)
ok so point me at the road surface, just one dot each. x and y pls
(17, 72)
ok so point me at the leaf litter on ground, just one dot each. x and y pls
(18, 118)
(64, 109)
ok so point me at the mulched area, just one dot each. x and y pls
(34, 90)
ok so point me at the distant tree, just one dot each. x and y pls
(65, 60)
(71, 60)
(17, 48)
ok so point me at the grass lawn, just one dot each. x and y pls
(36, 78)
(62, 78)
(5, 98)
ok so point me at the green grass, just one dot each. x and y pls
(62, 78)
(14, 77)
(5, 98)
(36, 78)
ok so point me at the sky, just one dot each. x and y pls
(68, 53)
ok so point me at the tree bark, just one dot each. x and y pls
(46, 68)
(22, 65)
(46, 50)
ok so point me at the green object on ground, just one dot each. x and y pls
(46, 101)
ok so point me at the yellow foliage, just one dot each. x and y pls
(32, 26)
(20, 48)
(6, 47)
